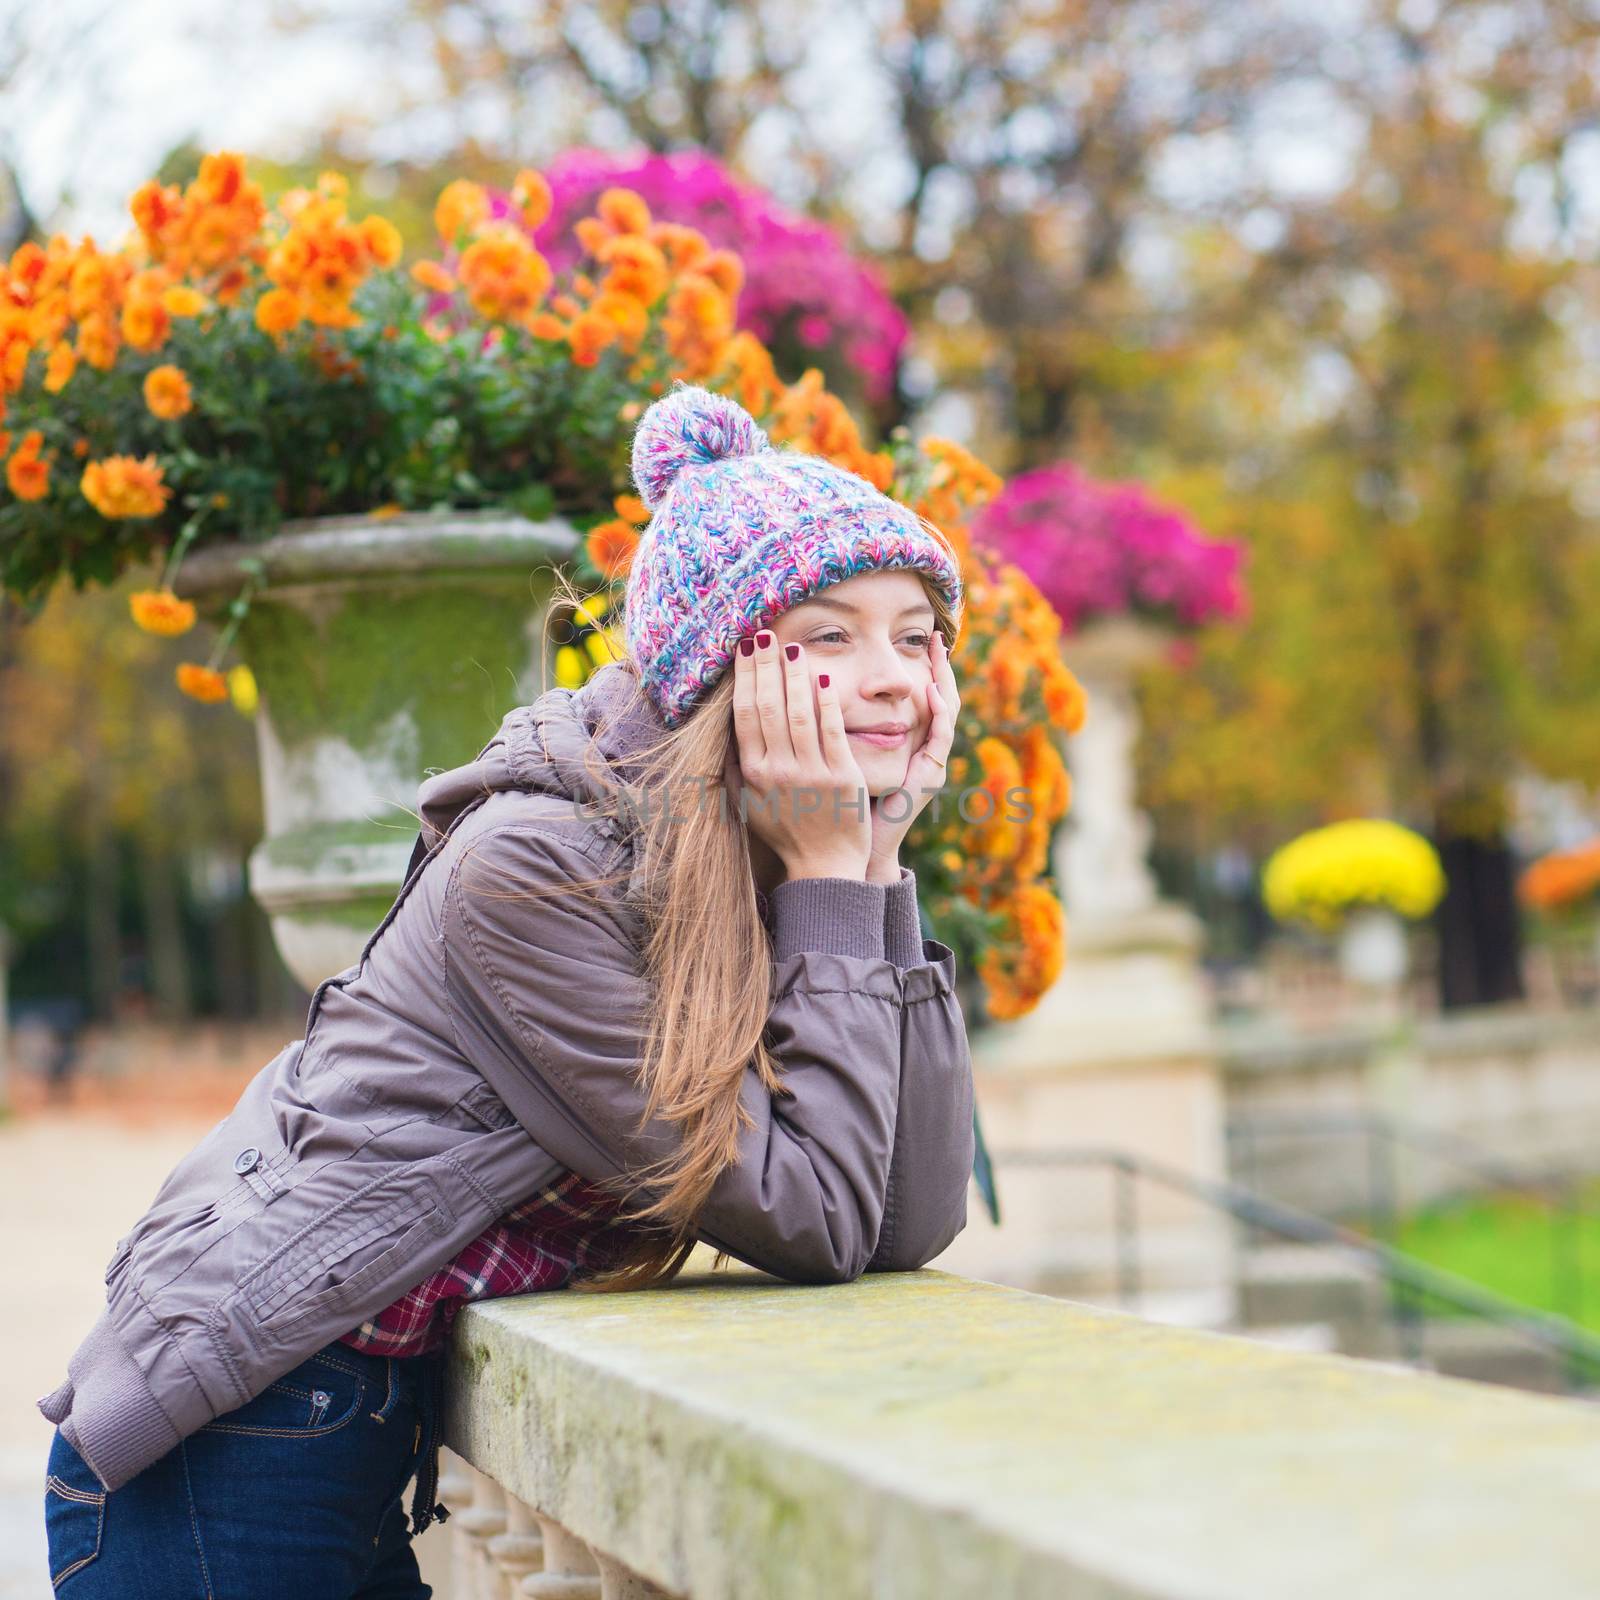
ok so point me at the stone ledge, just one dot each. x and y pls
(918, 1434)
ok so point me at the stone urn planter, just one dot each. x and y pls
(382, 649)
(1372, 948)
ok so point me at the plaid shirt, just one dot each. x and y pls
(567, 1229)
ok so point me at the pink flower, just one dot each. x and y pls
(799, 277)
(1099, 549)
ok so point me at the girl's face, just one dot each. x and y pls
(871, 634)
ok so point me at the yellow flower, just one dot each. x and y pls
(201, 683)
(570, 668)
(242, 690)
(121, 487)
(167, 393)
(1320, 876)
(161, 611)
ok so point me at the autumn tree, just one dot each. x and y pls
(1413, 487)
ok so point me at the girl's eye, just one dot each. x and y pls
(922, 640)
(831, 634)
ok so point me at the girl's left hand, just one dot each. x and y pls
(926, 771)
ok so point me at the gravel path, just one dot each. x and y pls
(71, 1184)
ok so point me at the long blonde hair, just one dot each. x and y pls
(706, 957)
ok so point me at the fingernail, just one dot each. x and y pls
(747, 647)
(763, 639)
(792, 651)
(822, 680)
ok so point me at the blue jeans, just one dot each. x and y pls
(297, 1495)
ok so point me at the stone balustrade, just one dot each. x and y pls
(731, 1437)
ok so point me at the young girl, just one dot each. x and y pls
(655, 975)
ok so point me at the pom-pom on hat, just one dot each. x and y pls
(741, 532)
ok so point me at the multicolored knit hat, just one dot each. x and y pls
(741, 532)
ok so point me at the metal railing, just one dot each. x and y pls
(1385, 1136)
(1411, 1282)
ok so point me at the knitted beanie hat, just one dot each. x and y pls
(742, 531)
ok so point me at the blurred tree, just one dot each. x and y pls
(1002, 159)
(101, 762)
(1410, 425)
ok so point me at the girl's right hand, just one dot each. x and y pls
(807, 795)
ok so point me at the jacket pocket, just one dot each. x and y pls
(336, 1259)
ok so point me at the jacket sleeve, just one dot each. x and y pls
(549, 1000)
(934, 1144)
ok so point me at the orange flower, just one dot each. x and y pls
(27, 472)
(462, 207)
(588, 336)
(624, 210)
(1064, 696)
(167, 392)
(382, 240)
(611, 546)
(545, 325)
(201, 683)
(156, 209)
(631, 508)
(161, 611)
(725, 270)
(277, 311)
(633, 267)
(146, 322)
(626, 314)
(221, 178)
(58, 370)
(1561, 879)
(530, 194)
(123, 487)
(504, 276)
(430, 275)
(98, 341)
(681, 245)
(182, 301)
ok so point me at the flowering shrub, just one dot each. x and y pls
(1563, 879)
(1104, 549)
(803, 289)
(1320, 877)
(232, 365)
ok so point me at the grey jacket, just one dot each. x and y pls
(479, 1046)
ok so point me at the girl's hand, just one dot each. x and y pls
(807, 797)
(925, 773)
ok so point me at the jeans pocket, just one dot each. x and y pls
(320, 1396)
(74, 1513)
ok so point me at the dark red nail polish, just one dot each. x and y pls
(822, 680)
(747, 647)
(763, 639)
(792, 651)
